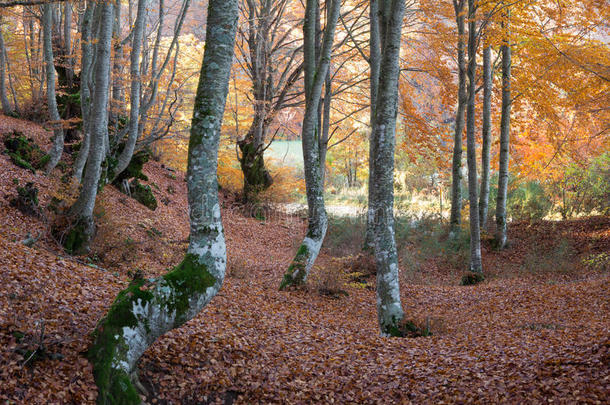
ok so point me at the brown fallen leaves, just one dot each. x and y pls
(526, 338)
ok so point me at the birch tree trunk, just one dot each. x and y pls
(501, 234)
(486, 135)
(58, 133)
(374, 65)
(85, 90)
(315, 74)
(82, 230)
(456, 168)
(475, 230)
(149, 308)
(6, 105)
(136, 86)
(389, 307)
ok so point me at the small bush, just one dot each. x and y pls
(330, 283)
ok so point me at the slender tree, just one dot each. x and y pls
(456, 168)
(6, 105)
(486, 135)
(81, 212)
(389, 307)
(58, 133)
(374, 65)
(475, 230)
(315, 75)
(149, 308)
(501, 236)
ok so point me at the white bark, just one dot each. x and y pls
(486, 135)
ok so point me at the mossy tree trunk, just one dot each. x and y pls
(58, 133)
(456, 169)
(256, 176)
(81, 212)
(149, 308)
(389, 307)
(315, 75)
(475, 231)
(501, 233)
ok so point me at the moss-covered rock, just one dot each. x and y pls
(24, 152)
(143, 194)
(472, 278)
(26, 200)
(134, 169)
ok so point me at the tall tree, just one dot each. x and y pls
(271, 62)
(149, 308)
(374, 65)
(315, 76)
(389, 307)
(6, 105)
(486, 135)
(81, 212)
(58, 133)
(456, 168)
(501, 235)
(475, 230)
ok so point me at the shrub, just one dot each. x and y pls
(26, 200)
(472, 278)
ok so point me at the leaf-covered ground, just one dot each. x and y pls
(540, 334)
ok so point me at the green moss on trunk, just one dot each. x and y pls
(295, 275)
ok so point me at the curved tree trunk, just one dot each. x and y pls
(314, 79)
(486, 135)
(58, 133)
(80, 235)
(456, 171)
(389, 307)
(501, 236)
(374, 64)
(149, 308)
(475, 230)
(256, 176)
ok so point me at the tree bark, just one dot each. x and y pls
(315, 74)
(58, 133)
(82, 211)
(486, 135)
(475, 230)
(374, 65)
(456, 168)
(501, 228)
(149, 308)
(389, 307)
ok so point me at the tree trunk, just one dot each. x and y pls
(58, 133)
(136, 85)
(6, 105)
(486, 135)
(256, 176)
(149, 308)
(80, 235)
(374, 64)
(85, 90)
(501, 235)
(456, 168)
(314, 79)
(475, 230)
(389, 307)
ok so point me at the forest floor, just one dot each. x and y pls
(537, 330)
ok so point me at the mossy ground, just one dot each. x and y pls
(24, 152)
